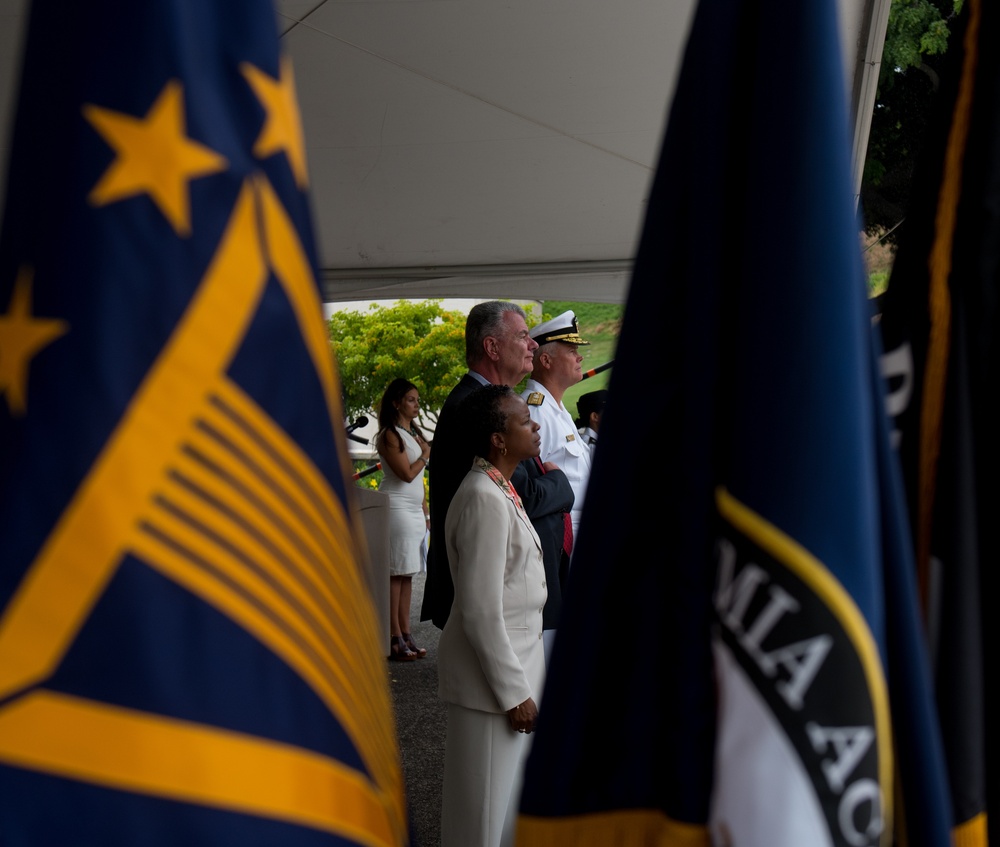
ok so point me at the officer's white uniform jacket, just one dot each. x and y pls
(561, 443)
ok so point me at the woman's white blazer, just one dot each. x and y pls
(490, 655)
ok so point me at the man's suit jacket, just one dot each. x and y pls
(490, 656)
(451, 458)
(550, 528)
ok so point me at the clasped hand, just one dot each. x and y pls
(522, 717)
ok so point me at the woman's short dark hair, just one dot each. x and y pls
(483, 414)
(388, 414)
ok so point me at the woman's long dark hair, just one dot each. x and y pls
(388, 414)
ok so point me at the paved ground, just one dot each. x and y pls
(420, 722)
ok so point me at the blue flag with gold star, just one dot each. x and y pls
(187, 646)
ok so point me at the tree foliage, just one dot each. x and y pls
(917, 28)
(421, 342)
(917, 38)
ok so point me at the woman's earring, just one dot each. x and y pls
(503, 452)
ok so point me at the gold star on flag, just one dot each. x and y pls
(21, 337)
(282, 127)
(154, 156)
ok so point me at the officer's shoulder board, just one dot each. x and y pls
(536, 398)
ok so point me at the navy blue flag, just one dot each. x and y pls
(741, 659)
(188, 651)
(941, 323)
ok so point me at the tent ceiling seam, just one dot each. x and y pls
(470, 94)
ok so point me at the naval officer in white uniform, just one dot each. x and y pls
(557, 366)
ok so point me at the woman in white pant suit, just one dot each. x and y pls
(491, 664)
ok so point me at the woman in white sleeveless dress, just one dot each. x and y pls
(404, 454)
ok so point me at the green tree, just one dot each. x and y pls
(421, 342)
(917, 37)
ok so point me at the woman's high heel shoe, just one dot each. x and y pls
(399, 651)
(420, 651)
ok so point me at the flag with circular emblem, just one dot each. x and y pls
(740, 659)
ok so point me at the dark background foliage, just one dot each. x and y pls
(918, 36)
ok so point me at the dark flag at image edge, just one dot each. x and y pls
(188, 648)
(940, 327)
(741, 658)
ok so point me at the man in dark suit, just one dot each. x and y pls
(498, 351)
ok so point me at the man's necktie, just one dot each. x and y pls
(567, 544)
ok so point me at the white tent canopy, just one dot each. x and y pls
(485, 149)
